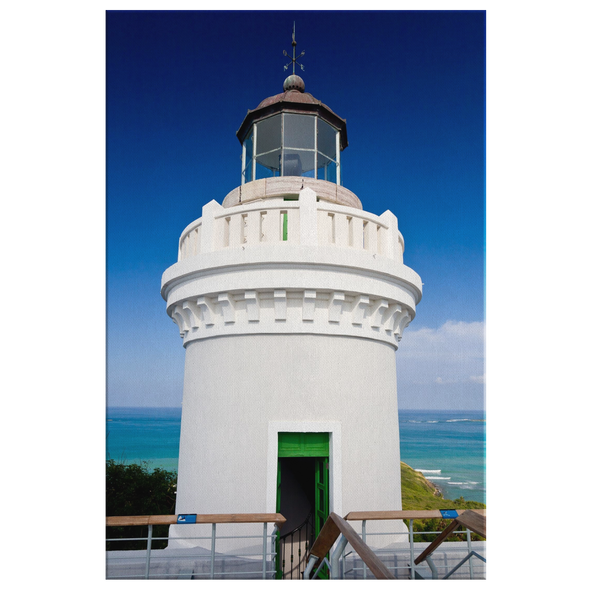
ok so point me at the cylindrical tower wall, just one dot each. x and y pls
(240, 390)
(290, 314)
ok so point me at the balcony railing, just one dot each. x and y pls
(401, 559)
(304, 221)
(203, 560)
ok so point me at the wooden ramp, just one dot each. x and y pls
(469, 519)
(334, 526)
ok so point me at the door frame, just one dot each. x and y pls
(334, 472)
(310, 445)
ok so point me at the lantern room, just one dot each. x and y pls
(292, 134)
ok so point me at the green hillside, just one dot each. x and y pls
(419, 494)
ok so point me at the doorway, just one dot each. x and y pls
(302, 497)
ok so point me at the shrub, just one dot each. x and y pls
(134, 490)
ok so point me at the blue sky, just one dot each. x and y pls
(411, 86)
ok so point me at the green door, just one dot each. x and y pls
(308, 444)
(304, 444)
(279, 574)
(322, 502)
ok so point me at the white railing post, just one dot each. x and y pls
(432, 567)
(412, 566)
(213, 530)
(389, 236)
(308, 217)
(273, 549)
(264, 529)
(208, 226)
(469, 552)
(336, 573)
(364, 526)
(148, 552)
(312, 561)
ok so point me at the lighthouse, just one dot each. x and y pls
(291, 302)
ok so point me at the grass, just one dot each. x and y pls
(419, 494)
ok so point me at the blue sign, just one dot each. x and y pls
(449, 513)
(186, 519)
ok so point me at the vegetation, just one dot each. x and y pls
(420, 494)
(134, 490)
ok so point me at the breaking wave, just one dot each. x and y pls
(444, 421)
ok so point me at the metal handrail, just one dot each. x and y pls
(330, 532)
(404, 514)
(471, 520)
(308, 520)
(334, 527)
(276, 518)
(327, 541)
(213, 519)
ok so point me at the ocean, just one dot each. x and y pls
(448, 447)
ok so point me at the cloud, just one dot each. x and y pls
(444, 361)
(452, 339)
(441, 381)
(477, 378)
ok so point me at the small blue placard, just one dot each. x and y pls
(186, 519)
(449, 513)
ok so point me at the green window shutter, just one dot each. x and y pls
(304, 444)
(285, 227)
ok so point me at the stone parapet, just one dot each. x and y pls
(291, 267)
(303, 221)
(282, 186)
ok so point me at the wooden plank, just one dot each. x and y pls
(325, 539)
(273, 518)
(401, 514)
(438, 541)
(330, 532)
(163, 519)
(128, 520)
(469, 518)
(474, 522)
(376, 566)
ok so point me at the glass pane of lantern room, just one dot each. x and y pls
(268, 165)
(300, 131)
(247, 166)
(299, 163)
(326, 168)
(326, 139)
(268, 134)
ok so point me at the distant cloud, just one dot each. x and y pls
(445, 361)
(478, 378)
(441, 381)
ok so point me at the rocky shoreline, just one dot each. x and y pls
(437, 490)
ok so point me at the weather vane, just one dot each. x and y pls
(294, 58)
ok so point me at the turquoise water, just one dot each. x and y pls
(144, 434)
(447, 446)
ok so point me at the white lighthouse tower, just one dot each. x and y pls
(291, 302)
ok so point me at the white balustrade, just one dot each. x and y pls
(305, 222)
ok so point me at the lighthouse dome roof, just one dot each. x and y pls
(293, 92)
(293, 99)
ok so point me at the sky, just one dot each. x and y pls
(411, 86)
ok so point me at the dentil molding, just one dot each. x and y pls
(285, 311)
